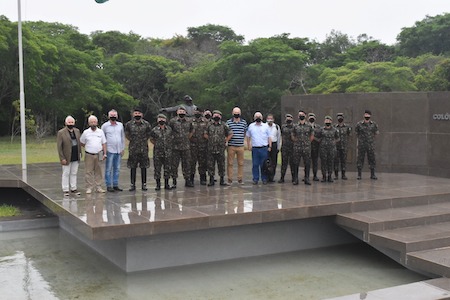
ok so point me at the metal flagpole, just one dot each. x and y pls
(22, 95)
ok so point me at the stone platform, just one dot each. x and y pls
(147, 230)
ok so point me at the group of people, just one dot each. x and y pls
(198, 139)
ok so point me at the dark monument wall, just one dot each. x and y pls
(414, 127)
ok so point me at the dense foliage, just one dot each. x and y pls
(67, 72)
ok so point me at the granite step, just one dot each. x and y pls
(393, 218)
(416, 238)
(436, 262)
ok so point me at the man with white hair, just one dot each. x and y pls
(94, 142)
(259, 142)
(69, 151)
(115, 145)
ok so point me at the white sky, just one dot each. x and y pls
(314, 19)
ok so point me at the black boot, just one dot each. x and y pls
(295, 176)
(372, 174)
(203, 179)
(211, 181)
(192, 178)
(359, 174)
(307, 182)
(144, 178)
(189, 183)
(222, 180)
(330, 177)
(343, 175)
(315, 178)
(166, 184)
(324, 178)
(336, 175)
(174, 183)
(281, 179)
(133, 179)
(158, 185)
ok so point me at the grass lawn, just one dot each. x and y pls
(8, 211)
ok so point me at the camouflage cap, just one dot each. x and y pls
(162, 116)
(182, 107)
(328, 118)
(313, 115)
(340, 115)
(368, 112)
(288, 116)
(217, 112)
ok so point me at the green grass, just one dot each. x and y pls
(8, 211)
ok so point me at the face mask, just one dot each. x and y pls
(258, 120)
(327, 124)
(181, 115)
(113, 118)
(301, 117)
(340, 120)
(288, 121)
(93, 127)
(311, 120)
(137, 117)
(208, 117)
(216, 119)
(236, 116)
(161, 122)
(198, 115)
(70, 126)
(367, 118)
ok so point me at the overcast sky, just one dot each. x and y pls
(314, 19)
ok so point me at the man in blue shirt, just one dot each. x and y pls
(259, 142)
(236, 145)
(115, 145)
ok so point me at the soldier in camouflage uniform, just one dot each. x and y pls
(302, 135)
(199, 146)
(344, 131)
(137, 131)
(181, 149)
(188, 106)
(366, 130)
(161, 138)
(314, 145)
(218, 134)
(287, 147)
(327, 136)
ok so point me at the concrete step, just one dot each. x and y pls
(414, 238)
(436, 262)
(393, 218)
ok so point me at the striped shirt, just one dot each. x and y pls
(239, 129)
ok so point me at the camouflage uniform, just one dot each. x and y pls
(344, 132)
(327, 138)
(366, 143)
(217, 134)
(138, 134)
(301, 134)
(181, 148)
(315, 149)
(162, 150)
(199, 146)
(287, 149)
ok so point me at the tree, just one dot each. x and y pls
(432, 35)
(114, 42)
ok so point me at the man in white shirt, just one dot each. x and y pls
(259, 142)
(115, 145)
(94, 142)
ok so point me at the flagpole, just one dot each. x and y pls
(22, 95)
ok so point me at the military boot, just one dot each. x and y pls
(158, 185)
(336, 175)
(343, 175)
(372, 174)
(189, 183)
(222, 180)
(192, 178)
(133, 180)
(281, 179)
(144, 179)
(359, 174)
(330, 177)
(211, 181)
(203, 179)
(295, 176)
(324, 178)
(167, 185)
(307, 182)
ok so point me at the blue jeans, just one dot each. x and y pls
(259, 156)
(112, 167)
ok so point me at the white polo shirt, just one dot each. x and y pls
(93, 140)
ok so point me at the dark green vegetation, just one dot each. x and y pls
(8, 211)
(67, 72)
